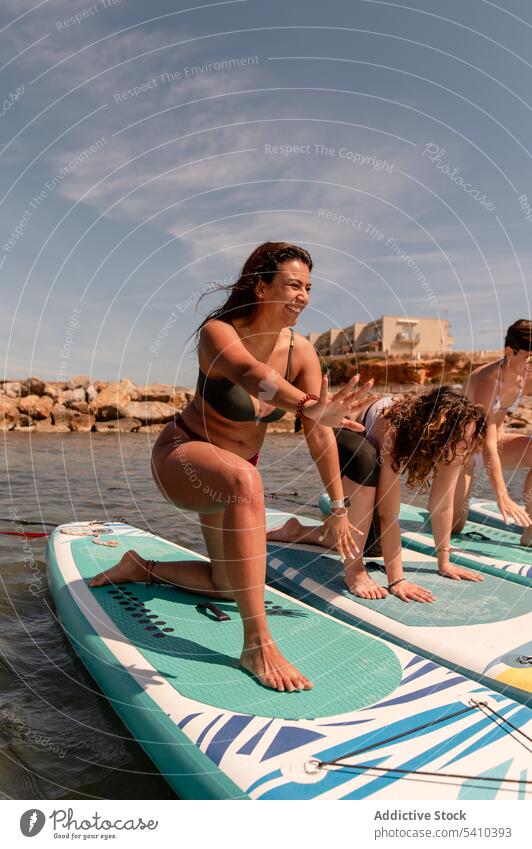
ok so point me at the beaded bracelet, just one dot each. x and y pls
(301, 403)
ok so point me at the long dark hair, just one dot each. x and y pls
(428, 428)
(262, 264)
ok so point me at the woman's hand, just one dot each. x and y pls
(338, 527)
(411, 592)
(347, 401)
(456, 573)
(513, 512)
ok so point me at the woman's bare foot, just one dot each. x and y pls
(294, 531)
(266, 663)
(360, 584)
(131, 567)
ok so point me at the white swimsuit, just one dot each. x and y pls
(496, 407)
(371, 414)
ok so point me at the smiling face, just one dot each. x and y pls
(518, 360)
(287, 294)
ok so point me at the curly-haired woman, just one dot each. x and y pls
(500, 387)
(429, 437)
(206, 460)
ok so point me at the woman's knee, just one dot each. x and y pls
(245, 483)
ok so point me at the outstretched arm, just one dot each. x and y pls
(222, 350)
(441, 502)
(389, 503)
(510, 510)
(323, 449)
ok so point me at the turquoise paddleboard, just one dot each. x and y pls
(381, 722)
(492, 547)
(488, 513)
(482, 629)
(489, 549)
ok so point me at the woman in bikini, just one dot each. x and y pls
(206, 460)
(426, 436)
(500, 388)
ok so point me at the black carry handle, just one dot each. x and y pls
(220, 616)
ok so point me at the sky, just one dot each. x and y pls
(146, 149)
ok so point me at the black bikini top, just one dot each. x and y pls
(232, 401)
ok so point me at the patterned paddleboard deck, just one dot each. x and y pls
(412, 729)
(482, 629)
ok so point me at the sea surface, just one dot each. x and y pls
(59, 737)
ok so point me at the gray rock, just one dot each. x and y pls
(52, 391)
(13, 389)
(38, 407)
(82, 423)
(125, 425)
(112, 402)
(68, 397)
(9, 414)
(163, 392)
(78, 406)
(91, 392)
(33, 386)
(81, 381)
(151, 412)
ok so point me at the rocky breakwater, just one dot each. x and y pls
(82, 405)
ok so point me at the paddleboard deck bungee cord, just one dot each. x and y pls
(381, 722)
(477, 628)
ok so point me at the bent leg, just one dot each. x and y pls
(210, 480)
(195, 576)
(359, 463)
(293, 531)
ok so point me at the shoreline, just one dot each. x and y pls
(84, 405)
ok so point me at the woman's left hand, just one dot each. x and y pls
(456, 573)
(407, 591)
(340, 532)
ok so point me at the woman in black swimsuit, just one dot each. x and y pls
(205, 461)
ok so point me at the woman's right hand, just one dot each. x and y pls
(347, 401)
